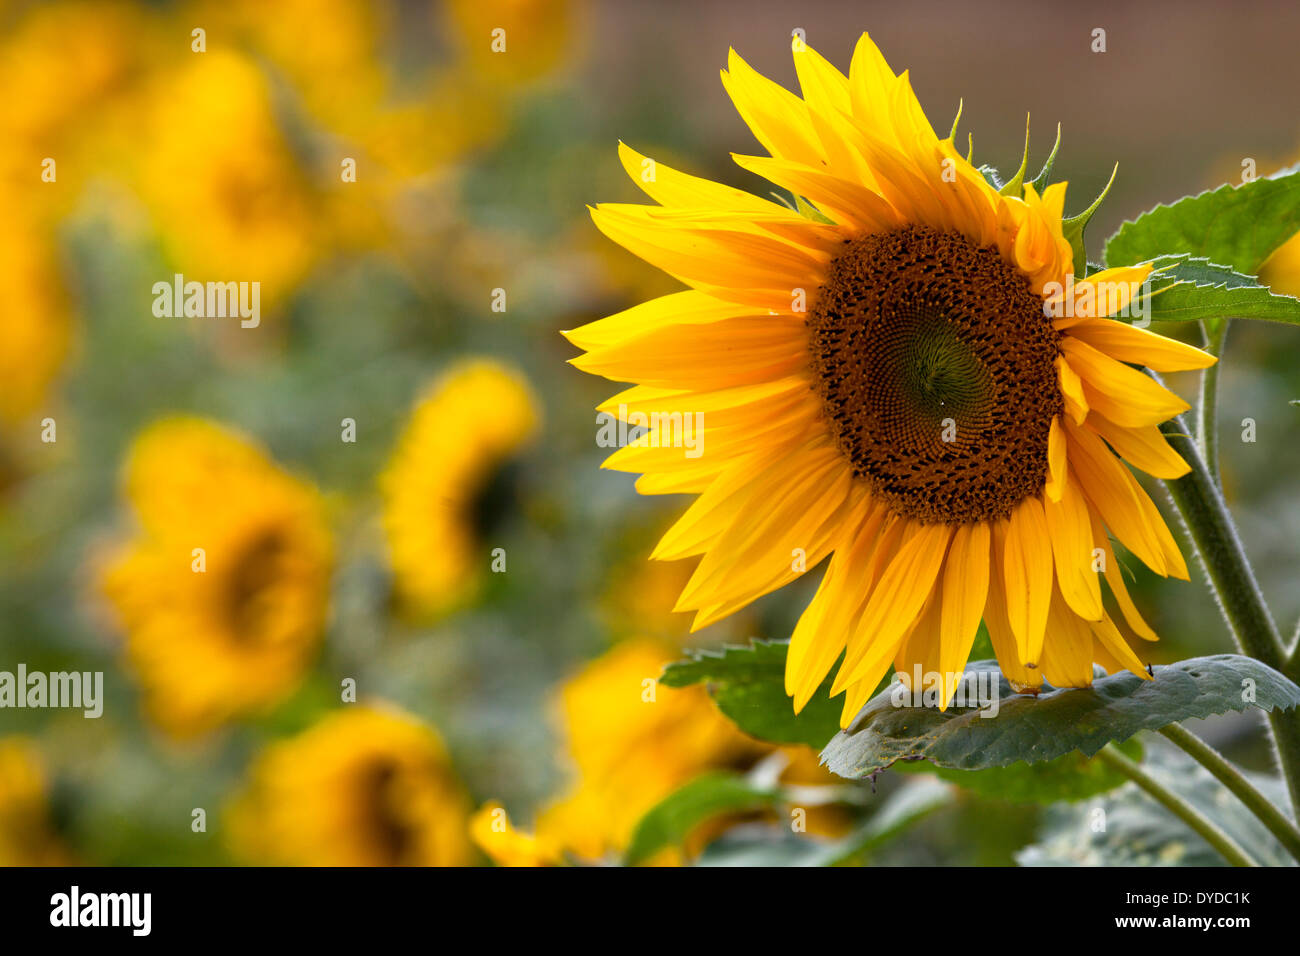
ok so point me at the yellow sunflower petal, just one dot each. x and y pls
(1076, 403)
(1128, 343)
(715, 510)
(738, 266)
(896, 601)
(848, 203)
(823, 628)
(740, 351)
(1144, 448)
(1121, 393)
(798, 513)
(668, 187)
(1027, 577)
(1070, 528)
(965, 593)
(1114, 575)
(918, 655)
(778, 119)
(1102, 294)
(1067, 649)
(1109, 636)
(1005, 645)
(1111, 490)
(1056, 461)
(680, 308)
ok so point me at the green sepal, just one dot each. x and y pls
(1073, 228)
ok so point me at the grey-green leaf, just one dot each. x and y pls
(1128, 828)
(748, 685)
(1069, 778)
(762, 845)
(1057, 721)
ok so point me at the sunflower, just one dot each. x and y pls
(223, 591)
(496, 836)
(513, 42)
(902, 375)
(631, 743)
(366, 786)
(1281, 272)
(27, 836)
(443, 487)
(99, 53)
(213, 153)
(36, 329)
(631, 746)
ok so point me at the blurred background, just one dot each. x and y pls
(398, 450)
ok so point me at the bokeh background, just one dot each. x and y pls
(423, 302)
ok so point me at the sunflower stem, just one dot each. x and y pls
(1200, 503)
(1286, 832)
(1207, 434)
(1199, 822)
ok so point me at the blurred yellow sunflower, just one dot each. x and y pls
(1282, 270)
(35, 326)
(223, 591)
(495, 835)
(366, 786)
(514, 41)
(26, 836)
(69, 68)
(631, 743)
(229, 195)
(441, 486)
(909, 379)
(402, 129)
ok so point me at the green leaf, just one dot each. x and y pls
(1128, 828)
(1056, 722)
(1236, 226)
(748, 685)
(1069, 778)
(671, 821)
(1193, 289)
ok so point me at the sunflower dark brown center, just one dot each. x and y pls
(936, 365)
(250, 593)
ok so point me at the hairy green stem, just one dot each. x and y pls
(1207, 434)
(1287, 833)
(1203, 825)
(1200, 503)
